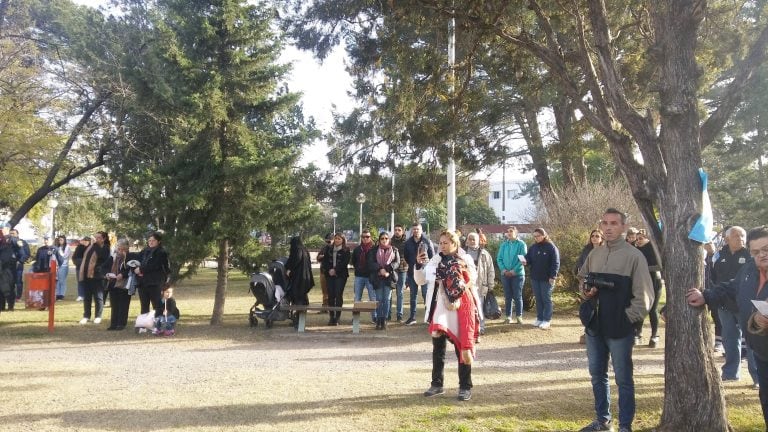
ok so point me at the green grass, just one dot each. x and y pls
(506, 399)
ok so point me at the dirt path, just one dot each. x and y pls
(237, 378)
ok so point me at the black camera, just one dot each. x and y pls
(592, 280)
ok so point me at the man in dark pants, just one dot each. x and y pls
(9, 252)
(411, 252)
(617, 308)
(398, 241)
(23, 257)
(749, 284)
(729, 261)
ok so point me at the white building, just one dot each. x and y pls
(503, 199)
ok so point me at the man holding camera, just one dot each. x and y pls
(617, 292)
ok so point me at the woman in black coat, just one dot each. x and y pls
(335, 267)
(298, 269)
(383, 260)
(153, 272)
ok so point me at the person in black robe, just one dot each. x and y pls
(299, 272)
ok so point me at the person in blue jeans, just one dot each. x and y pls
(543, 258)
(411, 252)
(611, 335)
(22, 258)
(398, 240)
(727, 264)
(749, 284)
(512, 273)
(362, 273)
(383, 260)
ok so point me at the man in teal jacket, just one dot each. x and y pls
(512, 273)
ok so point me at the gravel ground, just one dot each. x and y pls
(237, 378)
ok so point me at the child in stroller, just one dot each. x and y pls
(270, 290)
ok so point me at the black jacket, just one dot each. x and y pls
(361, 264)
(374, 267)
(343, 256)
(43, 259)
(170, 304)
(412, 249)
(155, 266)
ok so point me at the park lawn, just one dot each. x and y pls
(525, 379)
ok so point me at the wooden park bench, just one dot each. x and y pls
(356, 309)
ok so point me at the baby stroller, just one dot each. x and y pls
(270, 289)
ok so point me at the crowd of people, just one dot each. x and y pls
(619, 274)
(100, 271)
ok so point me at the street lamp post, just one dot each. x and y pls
(361, 199)
(53, 204)
(334, 222)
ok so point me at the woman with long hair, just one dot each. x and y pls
(383, 260)
(453, 311)
(93, 270)
(543, 259)
(336, 268)
(644, 244)
(153, 272)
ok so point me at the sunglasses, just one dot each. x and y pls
(596, 236)
(366, 236)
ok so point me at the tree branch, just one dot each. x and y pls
(734, 93)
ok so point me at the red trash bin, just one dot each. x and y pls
(37, 287)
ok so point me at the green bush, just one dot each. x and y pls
(574, 213)
(314, 242)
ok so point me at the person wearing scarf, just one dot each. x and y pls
(453, 311)
(92, 270)
(383, 261)
(336, 269)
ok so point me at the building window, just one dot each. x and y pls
(496, 195)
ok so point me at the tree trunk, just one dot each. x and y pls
(529, 125)
(222, 276)
(693, 400)
(564, 122)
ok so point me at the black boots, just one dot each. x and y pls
(381, 323)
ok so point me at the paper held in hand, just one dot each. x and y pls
(761, 306)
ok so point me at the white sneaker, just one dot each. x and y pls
(509, 320)
(537, 323)
(519, 319)
(79, 298)
(544, 325)
(84, 321)
(97, 320)
(141, 330)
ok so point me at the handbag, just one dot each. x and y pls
(491, 308)
(146, 320)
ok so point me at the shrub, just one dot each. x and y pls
(314, 242)
(574, 212)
